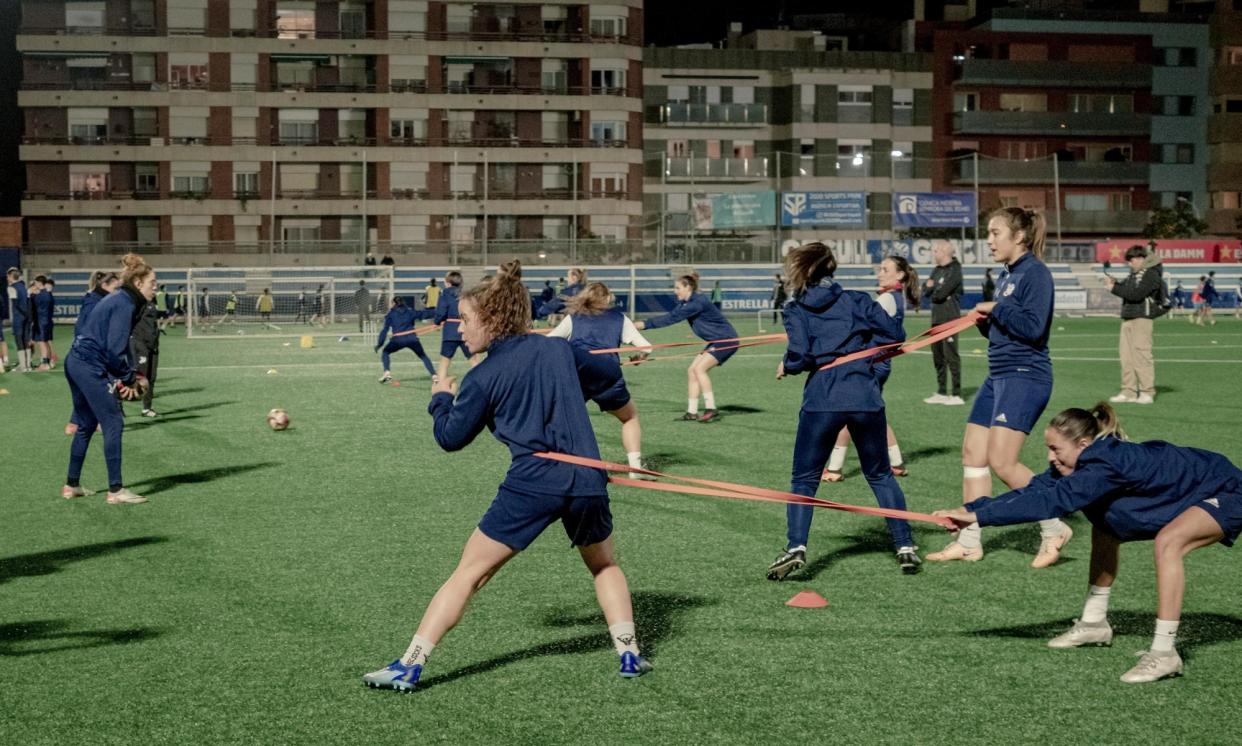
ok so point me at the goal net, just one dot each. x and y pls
(273, 302)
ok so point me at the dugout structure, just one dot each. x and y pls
(318, 301)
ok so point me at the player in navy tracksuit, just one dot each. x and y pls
(19, 317)
(1019, 383)
(710, 325)
(450, 329)
(594, 323)
(1183, 498)
(101, 284)
(42, 305)
(527, 393)
(556, 305)
(899, 283)
(401, 320)
(97, 366)
(825, 322)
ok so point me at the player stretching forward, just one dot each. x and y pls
(447, 317)
(825, 322)
(1183, 498)
(1019, 381)
(594, 323)
(527, 393)
(899, 284)
(97, 367)
(709, 324)
(401, 319)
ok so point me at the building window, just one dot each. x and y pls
(146, 179)
(609, 26)
(84, 18)
(88, 181)
(1101, 103)
(1177, 56)
(188, 76)
(606, 132)
(607, 81)
(1021, 150)
(1226, 200)
(903, 106)
(1179, 106)
(190, 184)
(1179, 153)
(246, 183)
(1024, 102)
(295, 133)
(553, 76)
(458, 18)
(408, 129)
(296, 21)
(89, 234)
(965, 102)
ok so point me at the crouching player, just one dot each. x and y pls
(1183, 498)
(527, 393)
(401, 319)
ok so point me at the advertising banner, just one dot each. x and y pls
(935, 209)
(741, 210)
(1175, 251)
(845, 209)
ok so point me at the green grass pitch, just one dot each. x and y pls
(272, 569)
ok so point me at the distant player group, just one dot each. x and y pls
(530, 391)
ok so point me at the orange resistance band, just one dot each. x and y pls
(768, 337)
(737, 491)
(929, 337)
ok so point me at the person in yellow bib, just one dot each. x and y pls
(264, 307)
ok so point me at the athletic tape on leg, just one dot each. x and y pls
(737, 491)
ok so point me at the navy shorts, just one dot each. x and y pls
(614, 397)
(43, 333)
(516, 519)
(1015, 402)
(449, 346)
(721, 355)
(1225, 509)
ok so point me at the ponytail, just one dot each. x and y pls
(910, 283)
(690, 281)
(594, 299)
(1032, 223)
(807, 265)
(1100, 422)
(502, 302)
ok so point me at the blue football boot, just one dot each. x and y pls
(396, 676)
(633, 666)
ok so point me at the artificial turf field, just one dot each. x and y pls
(270, 570)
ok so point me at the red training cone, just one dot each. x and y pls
(396, 383)
(807, 600)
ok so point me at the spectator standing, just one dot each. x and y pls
(1140, 304)
(945, 289)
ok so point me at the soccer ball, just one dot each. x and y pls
(278, 419)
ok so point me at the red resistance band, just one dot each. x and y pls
(767, 337)
(425, 329)
(737, 491)
(929, 337)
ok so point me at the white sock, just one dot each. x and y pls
(1095, 610)
(693, 406)
(624, 639)
(1051, 528)
(837, 460)
(418, 652)
(970, 537)
(894, 455)
(1166, 635)
(635, 458)
(709, 400)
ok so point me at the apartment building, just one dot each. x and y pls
(776, 113)
(330, 126)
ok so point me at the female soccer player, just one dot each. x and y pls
(825, 322)
(710, 325)
(42, 311)
(553, 308)
(264, 306)
(1183, 498)
(527, 393)
(100, 286)
(19, 317)
(1019, 381)
(401, 320)
(145, 341)
(594, 323)
(446, 316)
(899, 284)
(96, 367)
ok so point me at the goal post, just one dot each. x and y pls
(281, 302)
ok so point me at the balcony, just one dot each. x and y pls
(1060, 123)
(713, 169)
(1127, 222)
(532, 36)
(1054, 74)
(1040, 172)
(723, 115)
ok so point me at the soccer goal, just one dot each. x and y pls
(284, 302)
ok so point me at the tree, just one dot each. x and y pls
(1178, 221)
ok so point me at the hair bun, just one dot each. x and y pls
(132, 261)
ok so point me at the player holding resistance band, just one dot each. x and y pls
(400, 319)
(1019, 382)
(595, 323)
(825, 322)
(527, 393)
(708, 323)
(1183, 498)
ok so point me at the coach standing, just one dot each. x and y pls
(945, 288)
(1140, 303)
(362, 303)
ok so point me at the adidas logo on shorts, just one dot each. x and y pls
(1002, 418)
(1213, 502)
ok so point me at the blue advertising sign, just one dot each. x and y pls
(823, 208)
(935, 209)
(738, 210)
